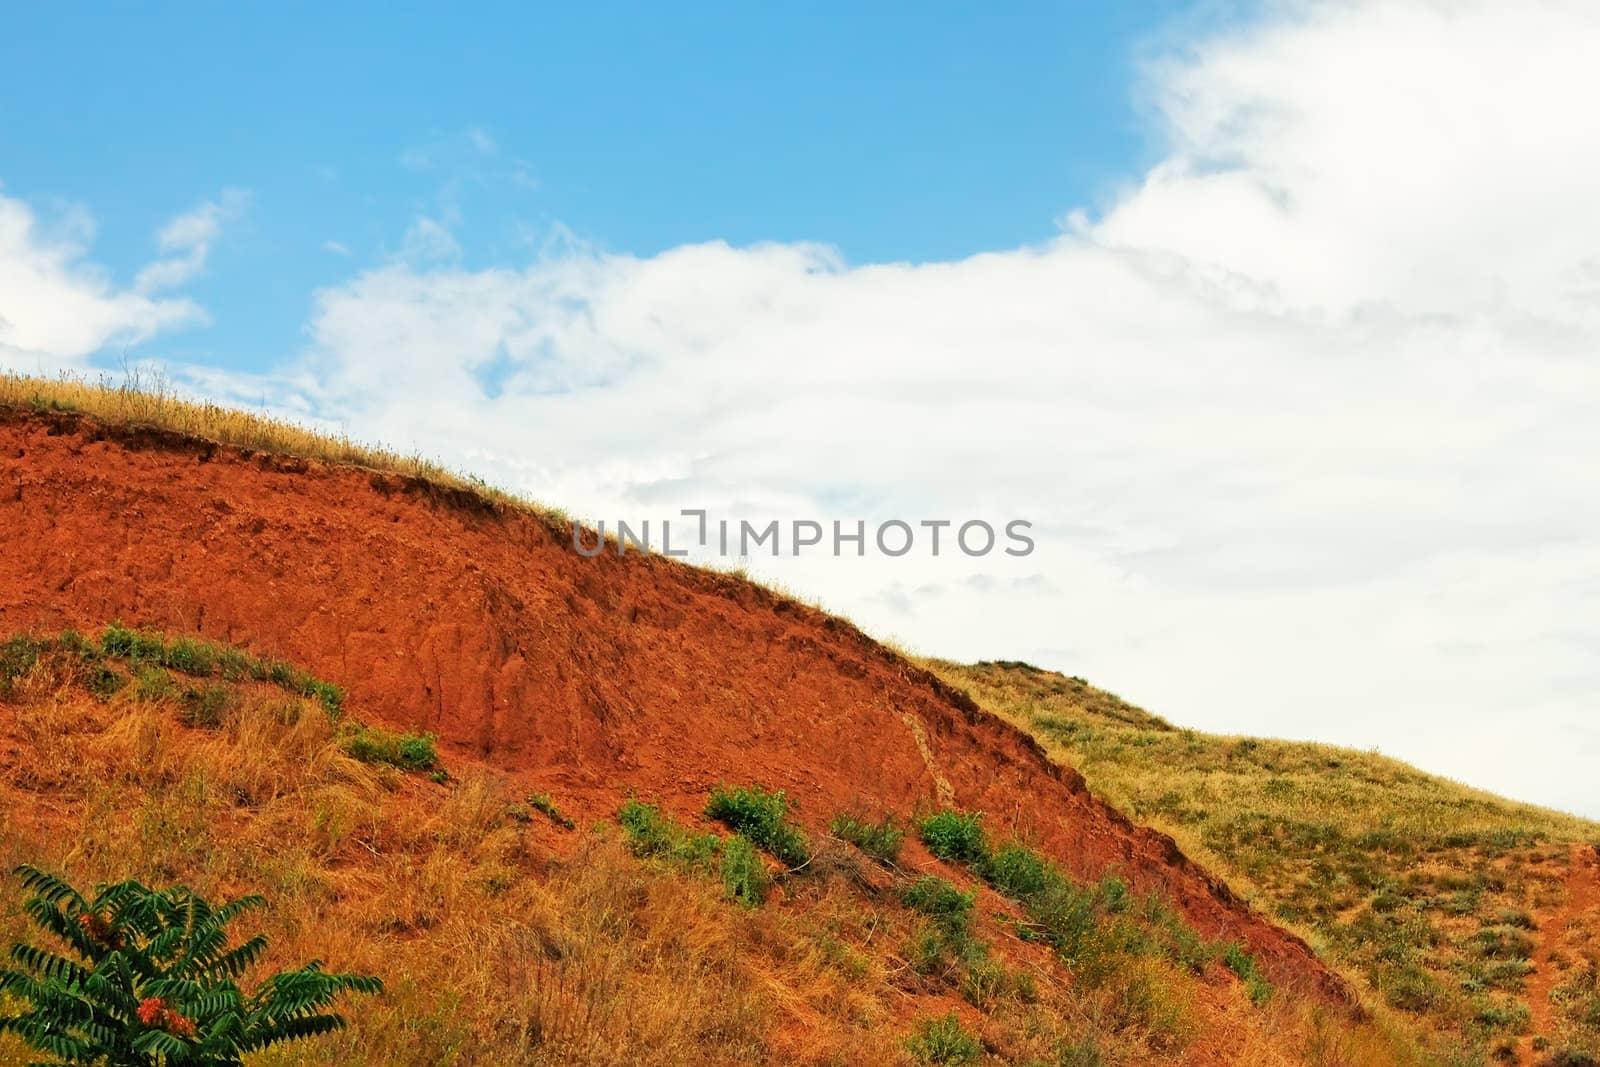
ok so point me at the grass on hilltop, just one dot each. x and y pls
(1426, 889)
(146, 399)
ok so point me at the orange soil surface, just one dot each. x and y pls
(593, 678)
(1580, 904)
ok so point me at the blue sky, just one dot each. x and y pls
(1278, 320)
(909, 132)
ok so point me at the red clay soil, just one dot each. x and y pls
(593, 677)
(1579, 906)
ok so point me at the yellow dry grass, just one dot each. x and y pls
(507, 940)
(144, 399)
(1434, 895)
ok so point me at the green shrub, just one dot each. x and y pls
(744, 876)
(935, 897)
(205, 707)
(1238, 960)
(409, 752)
(1509, 1015)
(879, 840)
(943, 1040)
(1410, 988)
(190, 657)
(984, 982)
(1018, 872)
(150, 979)
(761, 817)
(17, 657)
(542, 802)
(956, 836)
(155, 684)
(202, 659)
(1503, 943)
(104, 682)
(650, 833)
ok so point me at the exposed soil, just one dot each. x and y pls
(1580, 905)
(594, 678)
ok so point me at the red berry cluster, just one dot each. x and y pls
(99, 930)
(154, 1013)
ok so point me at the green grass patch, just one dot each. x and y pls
(943, 1040)
(763, 818)
(651, 833)
(879, 840)
(744, 876)
(541, 802)
(409, 752)
(956, 836)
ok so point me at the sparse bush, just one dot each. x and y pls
(203, 659)
(943, 1040)
(17, 657)
(879, 840)
(761, 817)
(205, 707)
(409, 752)
(1238, 960)
(984, 982)
(744, 876)
(650, 833)
(1502, 1015)
(1018, 872)
(935, 897)
(1503, 943)
(541, 802)
(956, 836)
(151, 980)
(948, 942)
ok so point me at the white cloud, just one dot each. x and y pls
(336, 248)
(429, 239)
(1304, 420)
(186, 241)
(56, 307)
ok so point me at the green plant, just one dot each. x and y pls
(744, 877)
(879, 840)
(956, 836)
(203, 659)
(935, 897)
(206, 706)
(150, 980)
(763, 818)
(1238, 960)
(1018, 872)
(944, 1040)
(650, 833)
(409, 752)
(17, 656)
(541, 802)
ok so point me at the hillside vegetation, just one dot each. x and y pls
(505, 933)
(1474, 915)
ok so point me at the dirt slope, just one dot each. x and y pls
(593, 677)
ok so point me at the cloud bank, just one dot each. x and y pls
(56, 307)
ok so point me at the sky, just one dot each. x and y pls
(1277, 321)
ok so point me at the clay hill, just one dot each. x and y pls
(581, 685)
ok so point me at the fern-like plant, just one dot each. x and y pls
(150, 980)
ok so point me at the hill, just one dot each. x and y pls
(218, 622)
(1475, 915)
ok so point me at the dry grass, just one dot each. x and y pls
(144, 399)
(504, 939)
(1414, 883)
